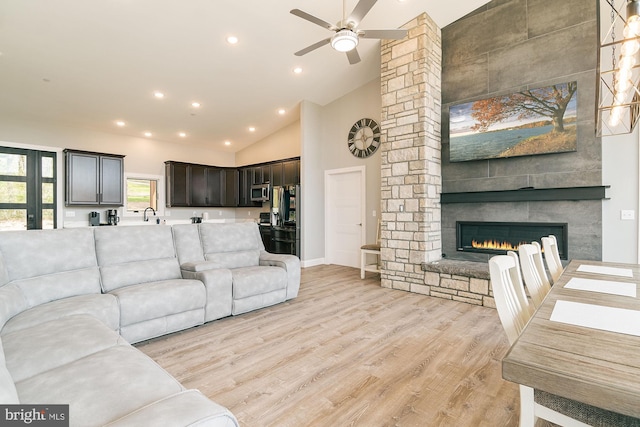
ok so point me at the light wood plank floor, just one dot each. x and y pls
(347, 352)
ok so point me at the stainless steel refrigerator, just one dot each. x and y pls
(285, 220)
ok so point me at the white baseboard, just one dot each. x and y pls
(311, 262)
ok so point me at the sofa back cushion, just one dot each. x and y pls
(232, 245)
(50, 264)
(8, 392)
(187, 240)
(129, 255)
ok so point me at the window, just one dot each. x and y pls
(144, 191)
(141, 194)
(27, 189)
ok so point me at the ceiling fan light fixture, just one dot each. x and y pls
(344, 40)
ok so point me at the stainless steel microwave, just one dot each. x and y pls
(260, 193)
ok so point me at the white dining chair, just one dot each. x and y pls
(514, 314)
(535, 278)
(552, 256)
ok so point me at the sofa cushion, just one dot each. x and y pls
(40, 252)
(51, 264)
(103, 307)
(186, 238)
(231, 245)
(101, 387)
(250, 281)
(119, 245)
(8, 393)
(190, 408)
(51, 287)
(158, 299)
(12, 302)
(51, 344)
(236, 259)
(133, 273)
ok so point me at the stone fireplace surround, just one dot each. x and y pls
(419, 251)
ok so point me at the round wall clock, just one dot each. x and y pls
(364, 138)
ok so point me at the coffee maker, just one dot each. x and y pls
(112, 217)
(94, 218)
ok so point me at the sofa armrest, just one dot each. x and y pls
(290, 263)
(218, 284)
(199, 266)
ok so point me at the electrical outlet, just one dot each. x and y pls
(401, 208)
(627, 215)
(375, 213)
(249, 213)
(69, 214)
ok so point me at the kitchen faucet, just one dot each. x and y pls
(144, 216)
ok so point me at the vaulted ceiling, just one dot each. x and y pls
(91, 63)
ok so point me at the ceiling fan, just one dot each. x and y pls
(346, 31)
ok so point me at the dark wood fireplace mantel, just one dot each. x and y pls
(527, 194)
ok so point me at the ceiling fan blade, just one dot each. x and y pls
(382, 34)
(353, 56)
(313, 19)
(312, 47)
(362, 8)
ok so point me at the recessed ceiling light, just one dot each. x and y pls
(148, 134)
(227, 143)
(232, 39)
(120, 123)
(297, 70)
(182, 134)
(158, 95)
(195, 104)
(282, 111)
(252, 129)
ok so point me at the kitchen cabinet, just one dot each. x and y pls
(283, 240)
(94, 178)
(177, 184)
(291, 172)
(285, 173)
(192, 185)
(229, 187)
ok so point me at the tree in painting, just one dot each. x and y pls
(550, 101)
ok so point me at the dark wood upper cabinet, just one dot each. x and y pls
(230, 187)
(94, 178)
(291, 172)
(193, 185)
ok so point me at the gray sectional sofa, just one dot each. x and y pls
(72, 302)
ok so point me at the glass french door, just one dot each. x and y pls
(27, 189)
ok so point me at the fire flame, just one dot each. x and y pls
(495, 245)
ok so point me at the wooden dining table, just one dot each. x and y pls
(589, 364)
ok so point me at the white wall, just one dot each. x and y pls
(620, 171)
(324, 132)
(142, 156)
(282, 144)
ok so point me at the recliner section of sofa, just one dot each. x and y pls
(238, 248)
(139, 266)
(72, 301)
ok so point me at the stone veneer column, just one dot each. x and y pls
(411, 161)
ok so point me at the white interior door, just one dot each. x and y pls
(344, 217)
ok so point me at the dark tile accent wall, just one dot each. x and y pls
(503, 47)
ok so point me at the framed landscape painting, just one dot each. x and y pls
(534, 121)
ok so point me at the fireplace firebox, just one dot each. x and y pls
(500, 237)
